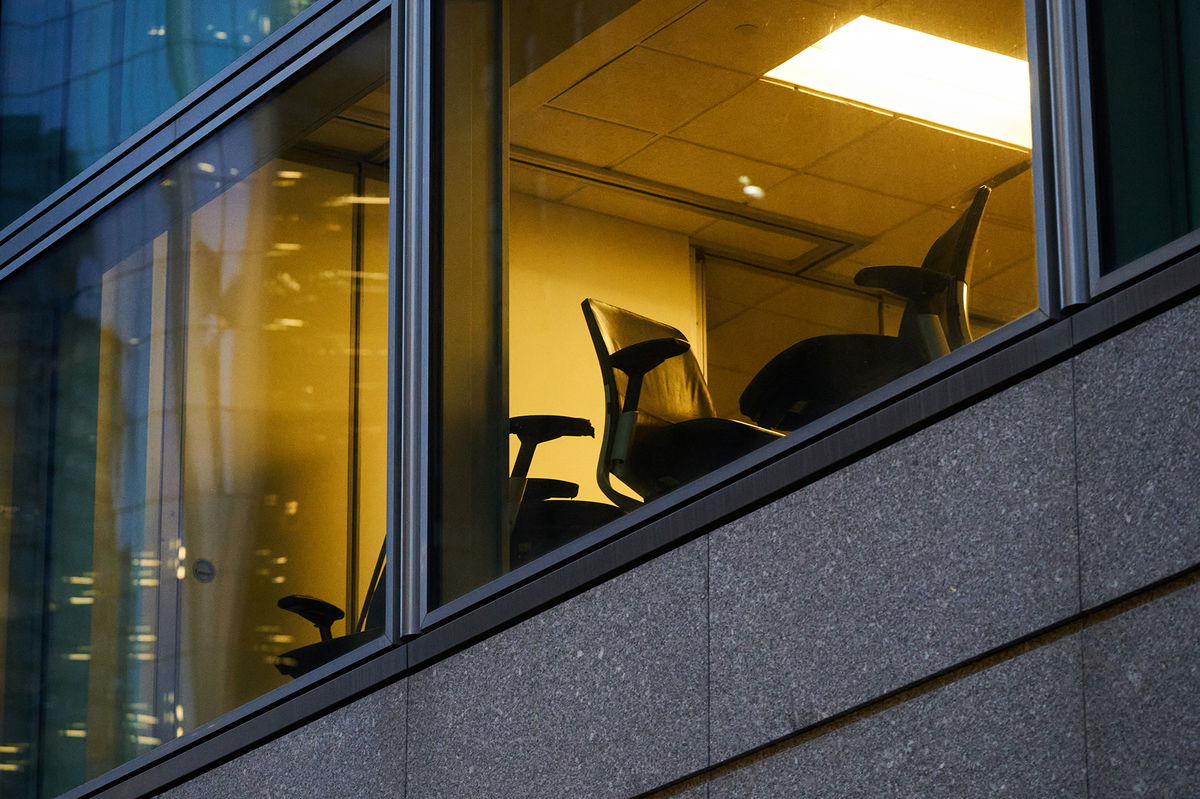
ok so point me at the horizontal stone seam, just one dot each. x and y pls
(1043, 637)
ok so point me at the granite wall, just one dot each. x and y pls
(1005, 603)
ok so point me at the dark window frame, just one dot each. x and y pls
(1070, 318)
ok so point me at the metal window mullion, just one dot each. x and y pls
(410, 218)
(1072, 210)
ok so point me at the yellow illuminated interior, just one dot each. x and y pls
(918, 75)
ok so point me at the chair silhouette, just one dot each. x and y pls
(323, 614)
(546, 517)
(546, 514)
(660, 428)
(820, 374)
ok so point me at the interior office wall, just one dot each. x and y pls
(559, 256)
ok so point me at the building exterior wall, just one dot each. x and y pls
(1003, 603)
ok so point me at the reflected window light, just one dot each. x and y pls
(286, 246)
(918, 75)
(289, 174)
(81, 600)
(355, 199)
(79, 656)
(73, 733)
(147, 740)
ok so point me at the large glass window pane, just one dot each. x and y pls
(193, 428)
(718, 222)
(1148, 59)
(77, 78)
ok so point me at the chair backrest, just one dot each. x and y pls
(952, 255)
(672, 392)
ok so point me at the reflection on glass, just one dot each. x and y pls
(79, 78)
(742, 238)
(1148, 54)
(193, 413)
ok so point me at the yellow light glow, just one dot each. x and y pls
(352, 199)
(918, 75)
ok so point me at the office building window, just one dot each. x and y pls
(193, 416)
(674, 233)
(77, 79)
(1148, 123)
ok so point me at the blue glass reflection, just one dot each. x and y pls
(77, 77)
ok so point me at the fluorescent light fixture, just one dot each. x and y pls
(918, 75)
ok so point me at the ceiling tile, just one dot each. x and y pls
(997, 246)
(841, 310)
(650, 90)
(907, 244)
(780, 124)
(997, 25)
(579, 138)
(749, 340)
(629, 205)
(841, 271)
(739, 285)
(749, 238)
(1012, 201)
(751, 36)
(1008, 295)
(349, 136)
(838, 205)
(700, 169)
(717, 311)
(918, 162)
(547, 185)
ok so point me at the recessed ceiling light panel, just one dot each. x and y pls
(918, 75)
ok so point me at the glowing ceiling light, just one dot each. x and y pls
(918, 75)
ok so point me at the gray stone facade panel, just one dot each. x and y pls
(358, 750)
(1138, 408)
(1142, 688)
(604, 695)
(1015, 729)
(953, 541)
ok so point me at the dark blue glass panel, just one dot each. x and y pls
(79, 76)
(1149, 124)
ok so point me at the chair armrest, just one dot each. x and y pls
(910, 282)
(638, 359)
(538, 429)
(318, 612)
(539, 489)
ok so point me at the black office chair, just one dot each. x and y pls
(660, 428)
(547, 514)
(821, 374)
(547, 517)
(322, 615)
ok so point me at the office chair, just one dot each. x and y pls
(546, 517)
(546, 514)
(820, 374)
(660, 428)
(322, 615)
